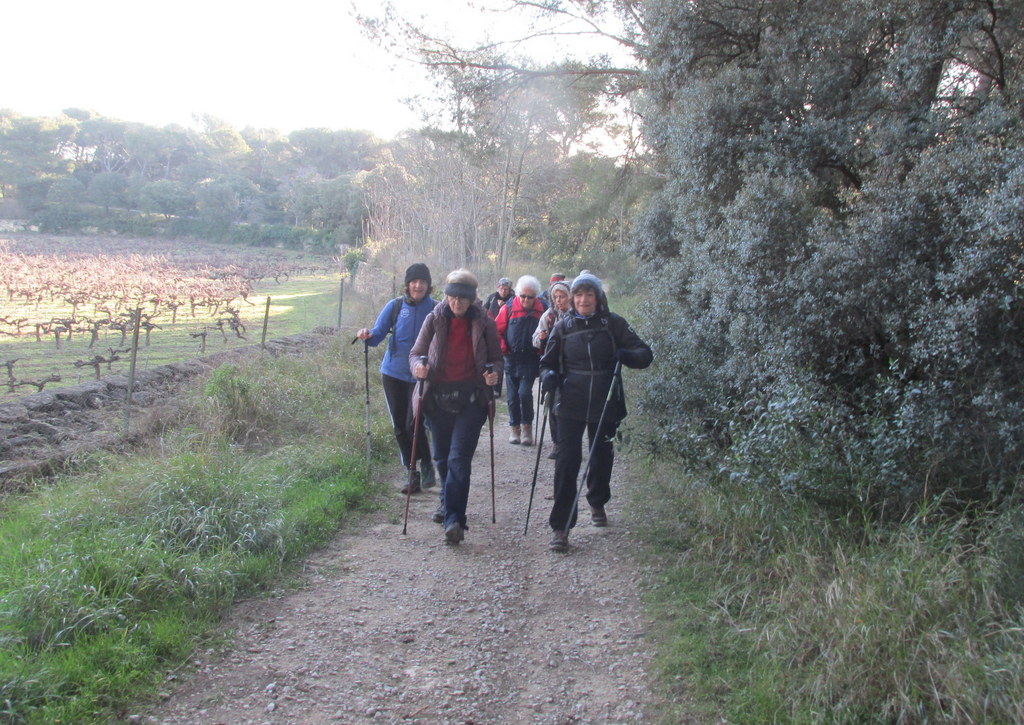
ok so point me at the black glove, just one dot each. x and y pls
(550, 381)
(624, 356)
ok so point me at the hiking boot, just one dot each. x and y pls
(559, 540)
(427, 477)
(554, 452)
(527, 439)
(438, 516)
(597, 516)
(415, 480)
(453, 533)
(514, 436)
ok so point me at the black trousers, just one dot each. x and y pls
(398, 394)
(567, 467)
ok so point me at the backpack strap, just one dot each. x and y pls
(396, 309)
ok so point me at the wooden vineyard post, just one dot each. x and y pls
(136, 320)
(341, 300)
(266, 322)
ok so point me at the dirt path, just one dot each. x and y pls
(392, 628)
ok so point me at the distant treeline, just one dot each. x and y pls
(455, 198)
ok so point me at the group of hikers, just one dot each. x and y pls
(447, 359)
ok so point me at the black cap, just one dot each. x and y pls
(418, 271)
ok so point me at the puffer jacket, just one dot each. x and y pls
(581, 353)
(433, 340)
(516, 326)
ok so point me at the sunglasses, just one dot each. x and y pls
(527, 297)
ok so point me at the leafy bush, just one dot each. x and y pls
(838, 290)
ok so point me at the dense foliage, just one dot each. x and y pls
(839, 243)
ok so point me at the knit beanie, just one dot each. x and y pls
(556, 277)
(587, 279)
(559, 284)
(418, 271)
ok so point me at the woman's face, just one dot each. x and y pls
(459, 305)
(418, 289)
(585, 301)
(561, 299)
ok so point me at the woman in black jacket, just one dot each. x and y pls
(579, 365)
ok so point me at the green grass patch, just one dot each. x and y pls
(111, 575)
(768, 611)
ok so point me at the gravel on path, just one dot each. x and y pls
(407, 629)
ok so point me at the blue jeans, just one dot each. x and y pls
(455, 438)
(520, 399)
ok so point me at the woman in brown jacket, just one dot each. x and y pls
(463, 361)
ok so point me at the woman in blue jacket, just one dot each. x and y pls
(402, 317)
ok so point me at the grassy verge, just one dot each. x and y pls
(111, 575)
(766, 611)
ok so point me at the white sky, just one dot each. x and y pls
(282, 65)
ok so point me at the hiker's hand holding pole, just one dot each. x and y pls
(490, 377)
(422, 370)
(363, 333)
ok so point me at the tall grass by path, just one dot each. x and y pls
(767, 611)
(111, 575)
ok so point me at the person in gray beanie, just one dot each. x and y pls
(578, 366)
(495, 300)
(402, 318)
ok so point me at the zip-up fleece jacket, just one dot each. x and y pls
(433, 341)
(410, 318)
(515, 330)
(582, 352)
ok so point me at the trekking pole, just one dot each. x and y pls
(536, 465)
(616, 374)
(366, 375)
(490, 424)
(412, 456)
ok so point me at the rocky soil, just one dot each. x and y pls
(393, 628)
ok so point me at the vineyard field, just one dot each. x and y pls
(67, 306)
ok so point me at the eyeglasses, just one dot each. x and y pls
(527, 297)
